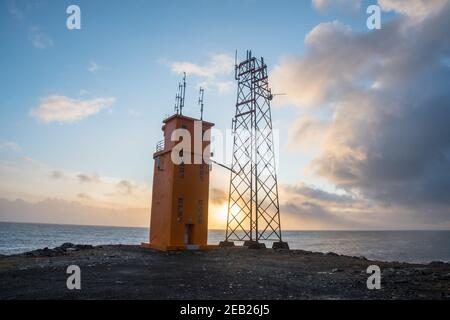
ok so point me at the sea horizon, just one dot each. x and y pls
(216, 229)
(413, 246)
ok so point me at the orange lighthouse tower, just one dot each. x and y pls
(179, 215)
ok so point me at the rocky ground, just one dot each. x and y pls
(131, 272)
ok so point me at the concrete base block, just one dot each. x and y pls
(280, 245)
(225, 244)
(254, 245)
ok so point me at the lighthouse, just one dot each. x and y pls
(179, 213)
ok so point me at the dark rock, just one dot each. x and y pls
(332, 254)
(280, 245)
(224, 244)
(437, 263)
(58, 251)
(254, 245)
(66, 245)
(84, 246)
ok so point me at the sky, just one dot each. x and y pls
(364, 135)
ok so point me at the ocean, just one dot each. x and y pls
(405, 246)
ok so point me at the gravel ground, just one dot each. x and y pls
(131, 272)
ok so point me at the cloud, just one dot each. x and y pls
(15, 11)
(315, 215)
(32, 162)
(329, 73)
(306, 133)
(386, 97)
(54, 210)
(10, 145)
(84, 196)
(57, 175)
(84, 178)
(212, 72)
(39, 39)
(306, 207)
(325, 5)
(219, 64)
(21, 12)
(317, 195)
(414, 8)
(66, 110)
(218, 196)
(93, 67)
(309, 208)
(20, 178)
(125, 187)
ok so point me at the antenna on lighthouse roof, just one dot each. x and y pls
(182, 93)
(175, 109)
(180, 96)
(200, 101)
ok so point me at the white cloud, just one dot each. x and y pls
(213, 73)
(324, 5)
(39, 39)
(223, 87)
(10, 145)
(307, 134)
(66, 110)
(82, 210)
(93, 67)
(219, 64)
(21, 10)
(384, 96)
(15, 11)
(19, 178)
(413, 8)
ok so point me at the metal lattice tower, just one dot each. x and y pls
(253, 205)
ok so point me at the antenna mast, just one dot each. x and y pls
(200, 101)
(183, 93)
(177, 100)
(180, 96)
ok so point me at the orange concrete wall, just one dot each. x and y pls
(161, 201)
(167, 227)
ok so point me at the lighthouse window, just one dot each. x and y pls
(202, 171)
(158, 162)
(200, 211)
(181, 170)
(180, 209)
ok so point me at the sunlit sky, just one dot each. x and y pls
(81, 110)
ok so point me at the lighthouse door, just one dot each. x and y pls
(188, 228)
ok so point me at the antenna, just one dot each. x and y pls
(176, 107)
(273, 95)
(180, 96)
(200, 101)
(182, 93)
